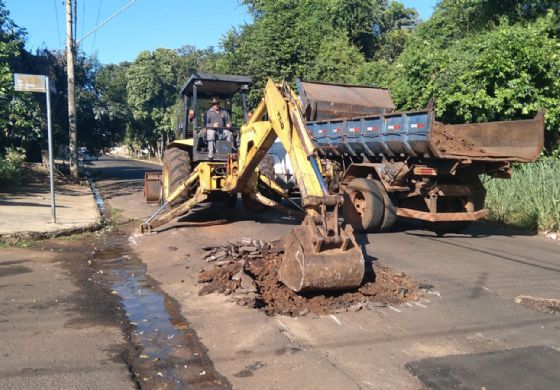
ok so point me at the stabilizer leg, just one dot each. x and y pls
(155, 221)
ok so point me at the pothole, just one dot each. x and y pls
(247, 270)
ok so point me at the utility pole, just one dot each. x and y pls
(72, 136)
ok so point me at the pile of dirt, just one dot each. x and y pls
(247, 271)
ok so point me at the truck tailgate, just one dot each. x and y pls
(520, 140)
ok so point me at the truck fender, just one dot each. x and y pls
(363, 170)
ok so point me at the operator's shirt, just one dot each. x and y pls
(221, 117)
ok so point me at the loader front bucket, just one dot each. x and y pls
(334, 267)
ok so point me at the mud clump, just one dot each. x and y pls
(248, 273)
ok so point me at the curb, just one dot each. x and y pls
(158, 163)
(97, 198)
(13, 238)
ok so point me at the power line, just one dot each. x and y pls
(83, 16)
(106, 20)
(57, 22)
(75, 26)
(96, 23)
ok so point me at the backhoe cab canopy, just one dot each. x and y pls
(207, 85)
(204, 86)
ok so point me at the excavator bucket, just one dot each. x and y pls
(309, 265)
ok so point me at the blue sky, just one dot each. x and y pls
(146, 25)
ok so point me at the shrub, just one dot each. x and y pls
(11, 165)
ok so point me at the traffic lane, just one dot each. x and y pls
(492, 261)
(57, 329)
(120, 168)
(121, 181)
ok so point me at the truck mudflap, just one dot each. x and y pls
(442, 217)
(516, 141)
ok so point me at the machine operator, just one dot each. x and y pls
(217, 120)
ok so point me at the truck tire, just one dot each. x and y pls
(389, 212)
(266, 168)
(449, 205)
(176, 168)
(363, 206)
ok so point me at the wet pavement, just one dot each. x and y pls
(166, 352)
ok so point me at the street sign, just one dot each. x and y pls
(40, 83)
(30, 83)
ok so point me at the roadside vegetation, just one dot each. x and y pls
(530, 200)
(12, 166)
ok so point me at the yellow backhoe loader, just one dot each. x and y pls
(319, 254)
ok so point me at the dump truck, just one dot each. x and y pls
(390, 164)
(321, 253)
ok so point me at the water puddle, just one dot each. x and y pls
(166, 352)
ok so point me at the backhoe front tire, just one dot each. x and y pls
(176, 168)
(363, 206)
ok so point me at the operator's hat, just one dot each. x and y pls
(215, 99)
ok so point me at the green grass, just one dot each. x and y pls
(24, 244)
(530, 200)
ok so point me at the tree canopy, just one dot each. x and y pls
(481, 60)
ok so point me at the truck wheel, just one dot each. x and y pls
(441, 228)
(389, 212)
(176, 168)
(266, 168)
(448, 205)
(363, 206)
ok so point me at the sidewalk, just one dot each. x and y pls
(25, 210)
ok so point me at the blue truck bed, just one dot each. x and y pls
(418, 134)
(361, 121)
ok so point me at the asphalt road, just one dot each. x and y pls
(57, 326)
(469, 310)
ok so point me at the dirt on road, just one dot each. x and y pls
(249, 274)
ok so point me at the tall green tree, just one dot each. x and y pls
(112, 110)
(501, 73)
(20, 119)
(312, 39)
(153, 82)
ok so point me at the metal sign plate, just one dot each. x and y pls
(29, 83)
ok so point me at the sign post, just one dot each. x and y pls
(39, 83)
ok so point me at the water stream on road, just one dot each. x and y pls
(166, 352)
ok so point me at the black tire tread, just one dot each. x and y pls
(390, 210)
(178, 163)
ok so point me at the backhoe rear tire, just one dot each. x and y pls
(176, 168)
(363, 206)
